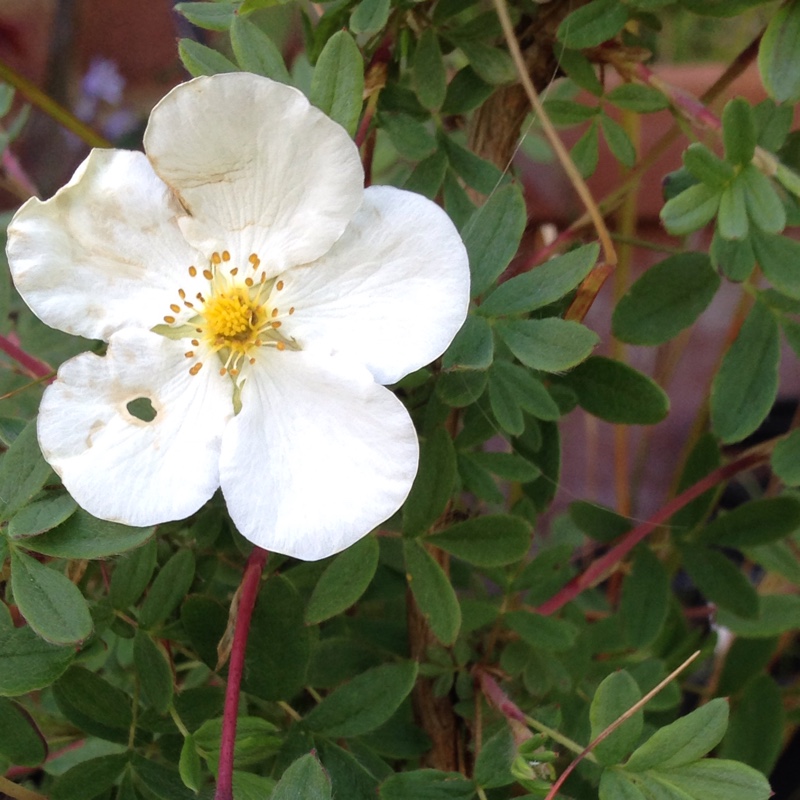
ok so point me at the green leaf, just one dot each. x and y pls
(746, 384)
(205, 621)
(755, 523)
(543, 633)
(755, 734)
(549, 345)
(634, 97)
(764, 206)
(492, 236)
(154, 671)
(459, 389)
(162, 781)
(364, 703)
(256, 52)
(272, 672)
(94, 705)
(168, 590)
(41, 515)
(493, 764)
(429, 74)
(683, 741)
(210, 16)
(492, 540)
(189, 764)
(586, 151)
(427, 176)
(786, 459)
(616, 392)
(490, 63)
(477, 172)
(543, 284)
(466, 92)
(409, 136)
(592, 24)
(777, 54)
(779, 257)
(739, 131)
(303, 780)
(707, 167)
(370, 16)
(615, 696)
(732, 219)
(720, 580)
(433, 592)
(473, 346)
(568, 112)
(777, 614)
(509, 466)
(85, 536)
(598, 522)
(337, 87)
(580, 70)
(618, 141)
(691, 210)
(668, 298)
(28, 662)
(644, 604)
(345, 579)
(51, 603)
(201, 60)
(21, 742)
(131, 575)
(617, 785)
(90, 778)
(734, 257)
(433, 484)
(23, 472)
(427, 784)
(512, 390)
(256, 739)
(717, 779)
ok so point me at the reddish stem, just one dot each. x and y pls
(616, 554)
(35, 367)
(248, 592)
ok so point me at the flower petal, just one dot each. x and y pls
(258, 168)
(391, 293)
(105, 252)
(318, 456)
(119, 467)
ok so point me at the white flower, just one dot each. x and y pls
(259, 297)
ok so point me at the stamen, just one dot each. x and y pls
(196, 368)
(226, 256)
(193, 271)
(275, 324)
(169, 320)
(275, 312)
(188, 304)
(200, 297)
(189, 354)
(279, 285)
(208, 275)
(222, 370)
(195, 342)
(182, 294)
(248, 282)
(235, 270)
(291, 310)
(252, 361)
(175, 307)
(215, 258)
(263, 277)
(280, 346)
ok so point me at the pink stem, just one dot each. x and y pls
(614, 556)
(247, 601)
(35, 367)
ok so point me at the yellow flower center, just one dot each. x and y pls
(234, 314)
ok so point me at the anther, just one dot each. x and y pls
(279, 285)
(199, 330)
(291, 310)
(188, 304)
(200, 297)
(189, 354)
(281, 346)
(263, 277)
(253, 258)
(215, 258)
(222, 371)
(196, 368)
(234, 372)
(169, 320)
(226, 256)
(248, 282)
(252, 361)
(193, 271)
(207, 274)
(275, 312)
(275, 324)
(234, 270)
(175, 307)
(182, 294)
(195, 342)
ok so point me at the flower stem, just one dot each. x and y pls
(33, 366)
(247, 594)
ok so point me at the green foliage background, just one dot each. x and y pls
(372, 673)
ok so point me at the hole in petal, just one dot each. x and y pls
(142, 409)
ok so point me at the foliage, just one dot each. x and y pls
(114, 640)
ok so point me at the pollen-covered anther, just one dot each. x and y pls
(196, 368)
(226, 256)
(169, 320)
(208, 275)
(216, 258)
(193, 271)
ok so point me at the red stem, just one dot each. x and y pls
(248, 592)
(614, 556)
(35, 367)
